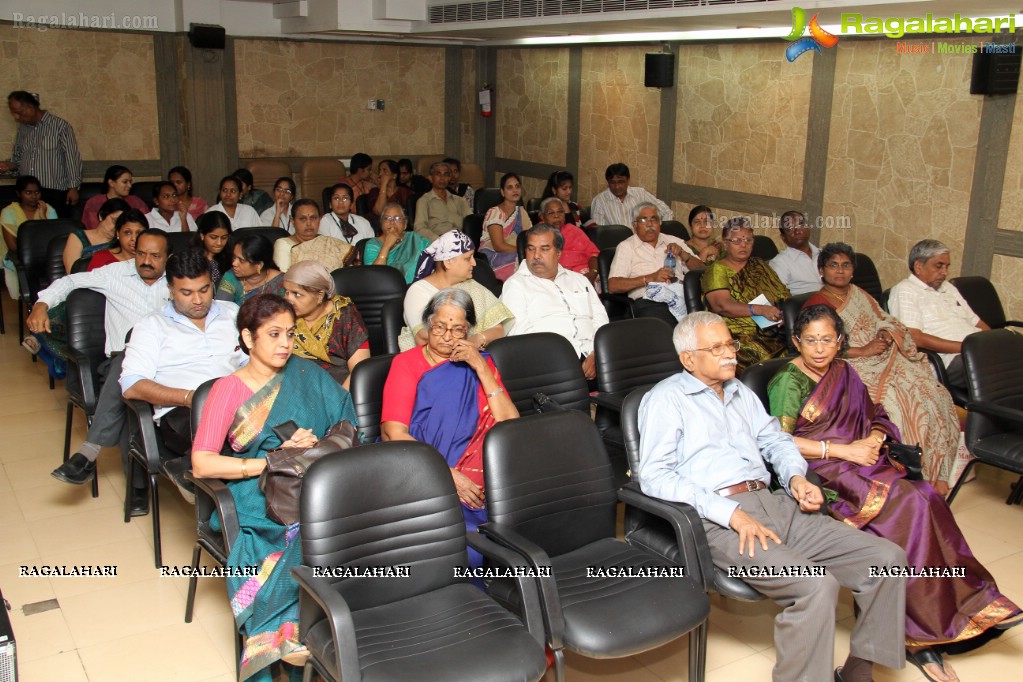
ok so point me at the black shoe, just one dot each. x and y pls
(139, 502)
(77, 470)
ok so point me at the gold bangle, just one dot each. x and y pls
(245, 472)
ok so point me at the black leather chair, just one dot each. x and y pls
(486, 198)
(271, 233)
(86, 312)
(984, 300)
(484, 274)
(693, 291)
(551, 498)
(30, 259)
(757, 377)
(430, 624)
(86, 191)
(541, 363)
(369, 287)
(144, 191)
(993, 361)
(790, 308)
(360, 251)
(764, 247)
(610, 236)
(675, 229)
(362, 207)
(617, 306)
(180, 242)
(534, 204)
(55, 259)
(368, 379)
(472, 226)
(865, 276)
(392, 319)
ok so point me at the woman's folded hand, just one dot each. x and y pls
(302, 438)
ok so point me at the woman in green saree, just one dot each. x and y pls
(395, 246)
(242, 410)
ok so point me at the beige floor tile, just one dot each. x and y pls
(65, 667)
(16, 426)
(750, 622)
(746, 669)
(25, 474)
(995, 518)
(10, 510)
(85, 529)
(5, 483)
(20, 590)
(987, 547)
(580, 669)
(149, 656)
(109, 613)
(41, 635)
(133, 560)
(38, 438)
(48, 501)
(27, 405)
(17, 544)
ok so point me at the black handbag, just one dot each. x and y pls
(906, 458)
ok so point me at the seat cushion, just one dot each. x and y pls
(1003, 450)
(602, 614)
(455, 633)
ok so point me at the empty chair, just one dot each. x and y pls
(86, 336)
(764, 247)
(541, 363)
(675, 229)
(392, 319)
(271, 233)
(865, 276)
(368, 379)
(430, 624)
(983, 299)
(319, 174)
(369, 287)
(551, 498)
(144, 191)
(485, 199)
(266, 171)
(472, 175)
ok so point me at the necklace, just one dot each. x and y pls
(429, 356)
(832, 294)
(261, 282)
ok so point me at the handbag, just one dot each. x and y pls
(281, 480)
(543, 404)
(906, 458)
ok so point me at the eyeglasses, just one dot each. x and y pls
(838, 265)
(283, 190)
(648, 219)
(718, 349)
(392, 218)
(737, 241)
(456, 332)
(826, 341)
(343, 198)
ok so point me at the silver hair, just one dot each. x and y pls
(736, 224)
(645, 204)
(684, 336)
(925, 250)
(450, 296)
(544, 228)
(548, 201)
(438, 164)
(391, 205)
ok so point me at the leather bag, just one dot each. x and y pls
(907, 457)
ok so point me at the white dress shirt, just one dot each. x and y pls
(168, 348)
(330, 225)
(244, 215)
(566, 305)
(267, 218)
(635, 258)
(157, 220)
(797, 271)
(607, 209)
(941, 312)
(129, 298)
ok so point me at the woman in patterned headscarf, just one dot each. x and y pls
(448, 262)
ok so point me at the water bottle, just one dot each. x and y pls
(669, 262)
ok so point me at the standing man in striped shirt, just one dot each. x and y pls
(45, 147)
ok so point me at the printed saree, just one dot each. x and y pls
(879, 499)
(231, 289)
(333, 339)
(403, 256)
(503, 263)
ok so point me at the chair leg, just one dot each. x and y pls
(193, 580)
(127, 489)
(51, 379)
(154, 501)
(697, 652)
(95, 482)
(1016, 495)
(559, 665)
(67, 430)
(959, 483)
(21, 322)
(307, 672)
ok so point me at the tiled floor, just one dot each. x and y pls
(131, 627)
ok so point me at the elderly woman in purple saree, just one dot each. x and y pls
(823, 403)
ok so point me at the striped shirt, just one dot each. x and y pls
(607, 209)
(49, 151)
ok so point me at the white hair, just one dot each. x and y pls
(684, 336)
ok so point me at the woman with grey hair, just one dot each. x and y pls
(328, 328)
(448, 394)
(396, 246)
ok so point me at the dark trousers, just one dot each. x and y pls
(956, 373)
(175, 431)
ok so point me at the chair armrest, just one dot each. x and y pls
(223, 501)
(1013, 323)
(333, 607)
(537, 559)
(145, 438)
(612, 401)
(688, 527)
(83, 367)
(532, 615)
(938, 365)
(1009, 414)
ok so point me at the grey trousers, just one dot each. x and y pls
(110, 425)
(804, 632)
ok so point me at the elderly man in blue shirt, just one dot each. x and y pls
(705, 438)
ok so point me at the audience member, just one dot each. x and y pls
(502, 226)
(448, 262)
(241, 215)
(86, 243)
(307, 243)
(544, 296)
(339, 222)
(253, 271)
(45, 148)
(439, 211)
(796, 266)
(241, 411)
(213, 232)
(329, 329)
(462, 189)
(388, 191)
(182, 179)
(407, 178)
(898, 376)
(561, 184)
(122, 246)
(706, 440)
(167, 213)
(117, 182)
(701, 235)
(249, 194)
(360, 175)
(579, 253)
(396, 246)
(617, 204)
(937, 315)
(732, 283)
(279, 215)
(28, 206)
(842, 433)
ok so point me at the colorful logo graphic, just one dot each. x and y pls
(817, 39)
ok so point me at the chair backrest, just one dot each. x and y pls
(485, 199)
(198, 401)
(86, 333)
(630, 429)
(472, 175)
(423, 164)
(266, 171)
(533, 204)
(983, 298)
(865, 276)
(319, 174)
(472, 225)
(541, 363)
(392, 319)
(368, 379)
(604, 260)
(616, 305)
(360, 250)
(369, 287)
(349, 519)
(271, 233)
(610, 236)
(549, 478)
(764, 247)
(80, 265)
(757, 377)
(993, 361)
(675, 229)
(885, 295)
(362, 207)
(790, 311)
(86, 191)
(484, 274)
(144, 191)
(634, 353)
(55, 258)
(181, 242)
(33, 248)
(692, 289)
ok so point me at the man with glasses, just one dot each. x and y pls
(797, 264)
(706, 441)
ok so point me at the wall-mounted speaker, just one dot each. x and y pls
(207, 36)
(996, 73)
(660, 70)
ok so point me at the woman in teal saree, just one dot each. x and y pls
(242, 410)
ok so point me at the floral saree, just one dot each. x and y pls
(512, 226)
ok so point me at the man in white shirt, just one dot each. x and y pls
(167, 213)
(937, 315)
(546, 297)
(797, 264)
(616, 204)
(133, 289)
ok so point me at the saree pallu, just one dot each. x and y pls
(901, 379)
(755, 278)
(503, 263)
(266, 606)
(231, 289)
(330, 252)
(879, 499)
(403, 257)
(334, 339)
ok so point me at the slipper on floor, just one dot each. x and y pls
(926, 657)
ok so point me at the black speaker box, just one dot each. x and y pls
(996, 73)
(660, 70)
(207, 36)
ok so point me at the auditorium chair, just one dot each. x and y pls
(865, 276)
(790, 308)
(541, 362)
(485, 199)
(392, 320)
(617, 306)
(610, 236)
(472, 175)
(764, 247)
(86, 342)
(180, 242)
(271, 233)
(319, 174)
(692, 288)
(369, 287)
(30, 260)
(423, 164)
(983, 299)
(367, 388)
(675, 229)
(472, 226)
(484, 274)
(265, 173)
(86, 191)
(144, 191)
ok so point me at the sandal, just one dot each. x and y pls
(31, 344)
(924, 657)
(1010, 622)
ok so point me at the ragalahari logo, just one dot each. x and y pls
(817, 39)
